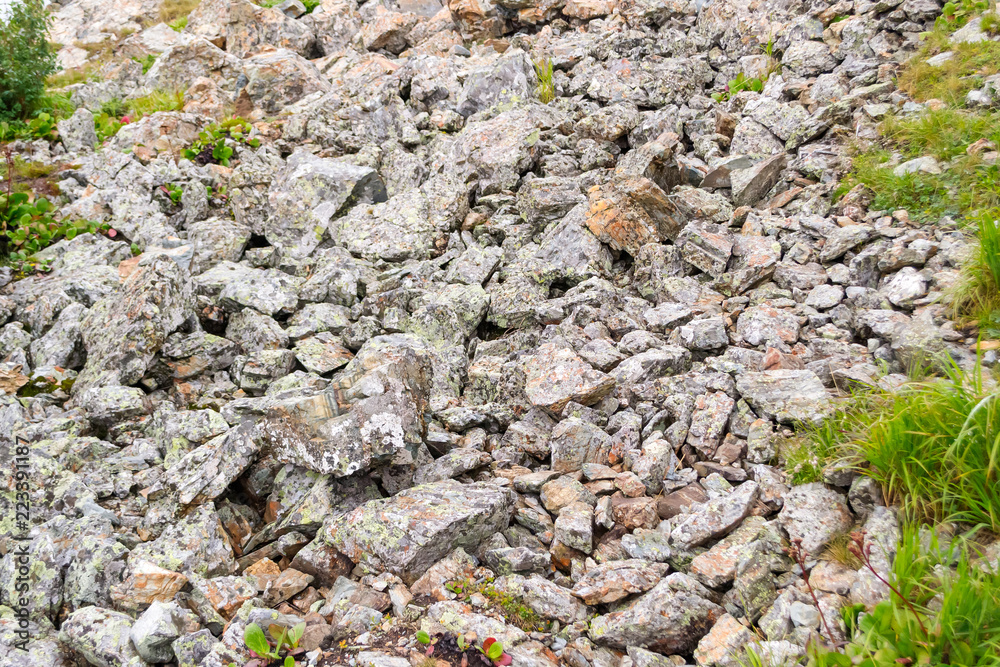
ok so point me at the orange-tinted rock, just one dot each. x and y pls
(146, 584)
(629, 212)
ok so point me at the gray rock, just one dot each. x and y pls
(374, 410)
(815, 515)
(574, 527)
(544, 597)
(715, 518)
(615, 580)
(751, 184)
(510, 81)
(77, 132)
(788, 396)
(195, 543)
(101, 636)
(122, 333)
(704, 334)
(556, 375)
(406, 226)
(454, 463)
(905, 287)
(311, 191)
(414, 529)
(670, 618)
(157, 628)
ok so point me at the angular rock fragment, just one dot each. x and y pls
(122, 333)
(630, 212)
(715, 518)
(670, 618)
(414, 529)
(555, 376)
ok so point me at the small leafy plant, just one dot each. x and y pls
(211, 147)
(174, 191)
(752, 83)
(146, 61)
(738, 85)
(42, 126)
(957, 13)
(284, 639)
(493, 650)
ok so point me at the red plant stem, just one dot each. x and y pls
(867, 558)
(796, 551)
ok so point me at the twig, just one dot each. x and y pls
(864, 552)
(799, 555)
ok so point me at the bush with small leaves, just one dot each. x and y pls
(25, 58)
(211, 147)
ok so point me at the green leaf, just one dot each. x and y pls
(295, 634)
(255, 640)
(423, 637)
(289, 661)
(494, 651)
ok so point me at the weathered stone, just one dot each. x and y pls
(715, 518)
(612, 581)
(101, 636)
(815, 515)
(629, 212)
(374, 410)
(670, 618)
(308, 193)
(555, 375)
(383, 535)
(751, 184)
(122, 333)
(789, 396)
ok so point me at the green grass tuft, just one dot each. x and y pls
(173, 10)
(546, 90)
(933, 446)
(950, 81)
(977, 293)
(955, 618)
(990, 24)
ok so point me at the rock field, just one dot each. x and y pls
(441, 352)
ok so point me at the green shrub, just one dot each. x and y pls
(957, 13)
(211, 144)
(949, 612)
(25, 59)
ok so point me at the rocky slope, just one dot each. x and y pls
(434, 330)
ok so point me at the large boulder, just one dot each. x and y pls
(417, 527)
(374, 410)
(670, 618)
(311, 191)
(122, 333)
